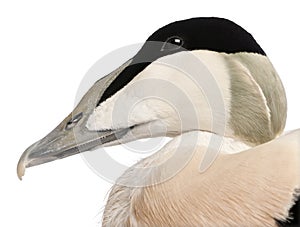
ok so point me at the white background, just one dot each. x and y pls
(45, 50)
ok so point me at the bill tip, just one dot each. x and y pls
(20, 170)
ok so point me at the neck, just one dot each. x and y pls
(162, 166)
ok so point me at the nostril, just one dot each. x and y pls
(74, 121)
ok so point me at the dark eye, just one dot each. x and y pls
(172, 43)
(73, 121)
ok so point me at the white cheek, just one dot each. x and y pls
(123, 110)
(101, 118)
(165, 93)
(141, 112)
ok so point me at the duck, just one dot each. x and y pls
(208, 85)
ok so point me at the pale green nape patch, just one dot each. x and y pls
(258, 105)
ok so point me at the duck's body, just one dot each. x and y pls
(206, 82)
(255, 186)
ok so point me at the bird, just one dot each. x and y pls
(208, 85)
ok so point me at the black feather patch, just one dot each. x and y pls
(294, 214)
(215, 34)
